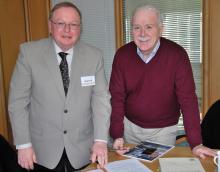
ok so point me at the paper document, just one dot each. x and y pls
(180, 165)
(128, 165)
(148, 151)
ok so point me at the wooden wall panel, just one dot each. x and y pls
(21, 21)
(12, 33)
(3, 119)
(36, 14)
(119, 23)
(211, 57)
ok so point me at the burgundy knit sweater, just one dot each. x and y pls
(152, 95)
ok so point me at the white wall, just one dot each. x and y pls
(98, 26)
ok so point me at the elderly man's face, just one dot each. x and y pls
(65, 27)
(146, 30)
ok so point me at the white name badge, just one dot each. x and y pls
(87, 81)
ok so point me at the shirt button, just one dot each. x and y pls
(64, 131)
(65, 111)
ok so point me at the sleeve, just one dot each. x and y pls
(19, 100)
(118, 94)
(100, 102)
(185, 91)
(23, 146)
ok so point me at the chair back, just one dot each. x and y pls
(210, 127)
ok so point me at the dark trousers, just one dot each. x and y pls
(63, 166)
(9, 163)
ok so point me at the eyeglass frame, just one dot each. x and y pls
(62, 25)
(148, 27)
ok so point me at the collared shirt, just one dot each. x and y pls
(151, 55)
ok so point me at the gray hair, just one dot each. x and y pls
(150, 8)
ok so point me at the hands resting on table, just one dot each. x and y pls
(199, 150)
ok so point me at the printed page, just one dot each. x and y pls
(148, 151)
(128, 165)
(180, 165)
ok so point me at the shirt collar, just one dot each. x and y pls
(58, 49)
(151, 55)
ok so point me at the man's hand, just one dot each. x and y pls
(100, 153)
(202, 151)
(27, 158)
(118, 145)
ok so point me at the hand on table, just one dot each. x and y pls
(118, 145)
(202, 151)
(99, 154)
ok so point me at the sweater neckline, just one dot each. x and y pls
(153, 60)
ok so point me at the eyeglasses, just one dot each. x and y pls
(148, 27)
(62, 25)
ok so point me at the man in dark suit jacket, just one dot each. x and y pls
(60, 122)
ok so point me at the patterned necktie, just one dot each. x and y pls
(64, 71)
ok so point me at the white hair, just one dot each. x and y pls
(150, 8)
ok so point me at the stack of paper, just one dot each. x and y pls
(180, 165)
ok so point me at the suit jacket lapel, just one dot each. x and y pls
(53, 67)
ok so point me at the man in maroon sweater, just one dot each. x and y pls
(151, 84)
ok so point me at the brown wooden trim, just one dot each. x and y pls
(30, 23)
(3, 120)
(211, 60)
(119, 23)
(206, 60)
(27, 23)
(35, 28)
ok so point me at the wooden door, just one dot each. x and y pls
(21, 21)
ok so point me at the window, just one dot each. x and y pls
(182, 24)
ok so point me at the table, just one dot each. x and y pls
(207, 163)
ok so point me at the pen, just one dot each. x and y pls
(103, 169)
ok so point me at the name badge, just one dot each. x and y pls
(87, 81)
